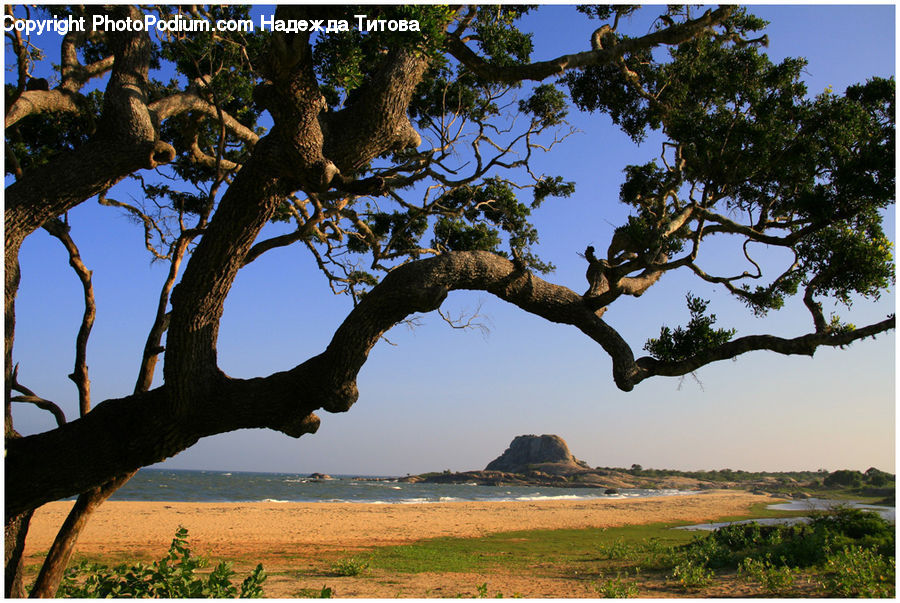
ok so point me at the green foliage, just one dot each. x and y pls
(616, 588)
(745, 132)
(876, 477)
(501, 43)
(546, 105)
(844, 477)
(742, 138)
(775, 580)
(690, 575)
(684, 342)
(352, 566)
(311, 593)
(860, 572)
(492, 203)
(551, 187)
(173, 576)
(347, 61)
(847, 526)
(456, 235)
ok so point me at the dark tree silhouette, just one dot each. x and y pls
(380, 113)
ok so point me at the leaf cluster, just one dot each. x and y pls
(173, 576)
(345, 61)
(813, 175)
(681, 343)
(480, 213)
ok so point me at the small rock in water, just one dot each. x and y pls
(611, 491)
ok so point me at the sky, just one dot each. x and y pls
(442, 399)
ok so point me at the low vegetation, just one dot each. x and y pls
(872, 484)
(840, 553)
(174, 576)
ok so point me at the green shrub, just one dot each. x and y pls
(795, 545)
(774, 579)
(853, 523)
(876, 477)
(845, 477)
(352, 566)
(705, 552)
(616, 588)
(311, 593)
(616, 549)
(173, 576)
(690, 574)
(859, 572)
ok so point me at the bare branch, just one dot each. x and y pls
(60, 230)
(152, 347)
(467, 321)
(32, 398)
(150, 225)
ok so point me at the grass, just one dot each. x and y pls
(768, 560)
(628, 561)
(530, 548)
(516, 550)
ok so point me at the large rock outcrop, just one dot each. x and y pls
(528, 453)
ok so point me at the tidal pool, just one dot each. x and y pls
(809, 504)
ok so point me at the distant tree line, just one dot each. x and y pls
(841, 478)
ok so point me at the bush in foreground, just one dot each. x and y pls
(851, 548)
(173, 576)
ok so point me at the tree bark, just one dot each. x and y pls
(14, 536)
(47, 583)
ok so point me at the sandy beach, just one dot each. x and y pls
(266, 529)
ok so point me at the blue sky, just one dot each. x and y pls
(444, 399)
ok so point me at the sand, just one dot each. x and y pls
(263, 530)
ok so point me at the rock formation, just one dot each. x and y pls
(545, 453)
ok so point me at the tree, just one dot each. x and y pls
(386, 145)
(845, 477)
(876, 477)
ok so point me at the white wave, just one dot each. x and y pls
(275, 500)
(540, 496)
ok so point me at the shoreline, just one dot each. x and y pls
(270, 529)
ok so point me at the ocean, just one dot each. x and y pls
(240, 486)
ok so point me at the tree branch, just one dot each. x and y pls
(675, 34)
(32, 398)
(805, 345)
(188, 101)
(79, 375)
(122, 435)
(35, 102)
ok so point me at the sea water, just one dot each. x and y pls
(239, 486)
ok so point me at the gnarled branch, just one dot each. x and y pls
(675, 34)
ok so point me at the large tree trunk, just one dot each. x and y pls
(54, 566)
